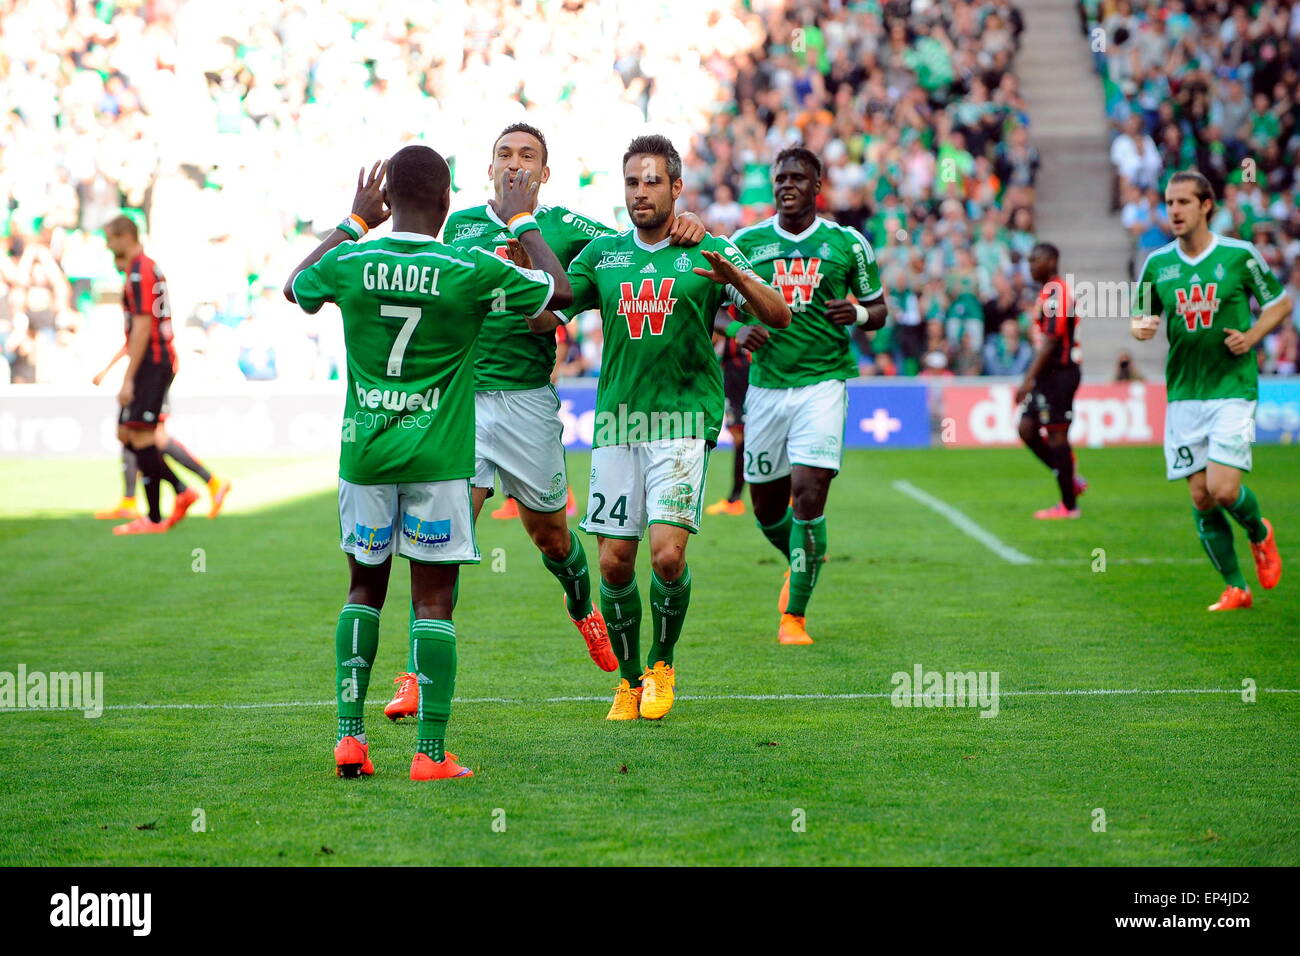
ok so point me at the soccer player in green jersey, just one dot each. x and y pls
(412, 308)
(658, 409)
(1201, 284)
(797, 400)
(519, 434)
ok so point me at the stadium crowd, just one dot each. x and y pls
(1214, 85)
(232, 129)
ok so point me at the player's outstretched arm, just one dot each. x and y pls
(368, 205)
(117, 357)
(1144, 327)
(761, 300)
(515, 209)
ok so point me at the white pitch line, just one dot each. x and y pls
(882, 695)
(965, 524)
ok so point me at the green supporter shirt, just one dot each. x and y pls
(826, 261)
(509, 356)
(412, 308)
(659, 376)
(1200, 299)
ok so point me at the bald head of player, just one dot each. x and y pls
(417, 188)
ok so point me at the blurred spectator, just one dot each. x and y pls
(1126, 370)
(1007, 353)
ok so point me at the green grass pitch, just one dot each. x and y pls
(1182, 778)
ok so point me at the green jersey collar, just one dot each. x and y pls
(1210, 247)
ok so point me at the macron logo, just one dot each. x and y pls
(103, 909)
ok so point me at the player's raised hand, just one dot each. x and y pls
(1238, 342)
(518, 254)
(752, 337)
(688, 230)
(724, 271)
(841, 312)
(518, 194)
(1144, 327)
(369, 202)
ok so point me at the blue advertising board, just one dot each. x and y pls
(1277, 416)
(879, 416)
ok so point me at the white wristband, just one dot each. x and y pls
(863, 315)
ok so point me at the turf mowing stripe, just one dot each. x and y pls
(883, 695)
(965, 524)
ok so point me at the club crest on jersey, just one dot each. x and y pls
(682, 263)
(1198, 306)
(653, 302)
(797, 279)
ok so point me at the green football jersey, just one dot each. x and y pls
(659, 375)
(509, 355)
(1199, 300)
(826, 261)
(412, 308)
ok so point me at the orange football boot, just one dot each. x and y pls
(792, 630)
(352, 758)
(508, 509)
(571, 506)
(627, 702)
(141, 525)
(218, 497)
(1232, 599)
(1268, 563)
(726, 507)
(593, 631)
(406, 702)
(182, 505)
(658, 691)
(424, 767)
(124, 511)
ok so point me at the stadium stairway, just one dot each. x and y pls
(1070, 130)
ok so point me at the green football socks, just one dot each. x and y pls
(1216, 536)
(622, 609)
(410, 623)
(356, 639)
(574, 577)
(1246, 513)
(807, 545)
(433, 651)
(778, 532)
(668, 604)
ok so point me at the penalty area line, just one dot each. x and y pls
(880, 695)
(965, 524)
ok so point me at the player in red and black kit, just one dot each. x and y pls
(1051, 381)
(735, 382)
(151, 364)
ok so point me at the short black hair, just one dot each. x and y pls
(122, 225)
(532, 131)
(1047, 249)
(656, 145)
(1203, 188)
(417, 176)
(799, 154)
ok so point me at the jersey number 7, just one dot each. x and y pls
(412, 315)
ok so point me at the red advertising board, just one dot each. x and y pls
(1130, 413)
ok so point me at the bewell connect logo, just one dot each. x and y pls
(395, 400)
(75, 909)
